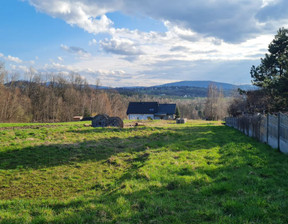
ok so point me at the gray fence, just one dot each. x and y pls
(270, 129)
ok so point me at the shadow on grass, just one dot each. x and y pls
(246, 183)
(241, 187)
(188, 138)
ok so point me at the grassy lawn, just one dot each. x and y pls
(8, 125)
(200, 172)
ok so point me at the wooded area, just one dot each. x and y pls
(58, 98)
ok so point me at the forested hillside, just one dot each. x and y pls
(168, 91)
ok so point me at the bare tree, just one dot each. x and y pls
(215, 106)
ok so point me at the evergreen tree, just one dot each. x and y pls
(86, 112)
(177, 113)
(272, 73)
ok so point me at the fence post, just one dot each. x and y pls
(279, 133)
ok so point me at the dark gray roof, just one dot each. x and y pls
(168, 109)
(151, 108)
(142, 108)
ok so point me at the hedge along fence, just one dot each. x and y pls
(269, 129)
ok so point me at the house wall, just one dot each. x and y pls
(171, 117)
(140, 116)
(166, 117)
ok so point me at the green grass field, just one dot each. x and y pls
(200, 172)
(8, 125)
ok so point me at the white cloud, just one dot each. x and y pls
(121, 46)
(33, 70)
(186, 21)
(13, 59)
(75, 50)
(232, 21)
(19, 68)
(199, 33)
(60, 58)
(167, 57)
(57, 67)
(268, 2)
(23, 68)
(85, 14)
(119, 78)
(92, 42)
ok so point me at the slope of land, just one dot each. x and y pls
(200, 172)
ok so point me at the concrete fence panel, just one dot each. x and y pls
(263, 129)
(269, 129)
(273, 131)
(283, 138)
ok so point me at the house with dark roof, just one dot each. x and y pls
(150, 110)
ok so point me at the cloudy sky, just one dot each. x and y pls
(139, 42)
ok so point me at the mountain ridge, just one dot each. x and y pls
(206, 83)
(183, 89)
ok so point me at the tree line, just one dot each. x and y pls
(58, 98)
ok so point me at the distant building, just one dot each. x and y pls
(77, 118)
(150, 110)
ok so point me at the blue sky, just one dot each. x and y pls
(136, 42)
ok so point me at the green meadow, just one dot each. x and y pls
(198, 172)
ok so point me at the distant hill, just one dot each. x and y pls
(166, 91)
(183, 89)
(205, 84)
